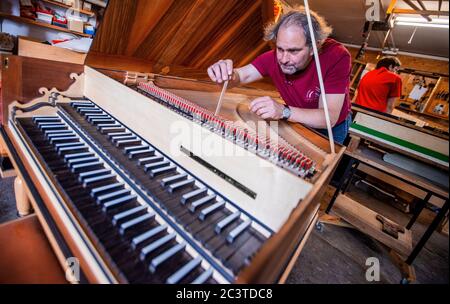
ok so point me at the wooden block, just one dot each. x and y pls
(364, 219)
(34, 49)
(333, 220)
(389, 227)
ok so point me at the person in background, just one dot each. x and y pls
(379, 89)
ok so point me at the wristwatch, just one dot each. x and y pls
(286, 113)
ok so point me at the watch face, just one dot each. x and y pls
(286, 113)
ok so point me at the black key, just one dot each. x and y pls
(93, 173)
(104, 121)
(184, 271)
(173, 179)
(193, 195)
(108, 130)
(163, 170)
(38, 118)
(120, 201)
(102, 190)
(152, 159)
(165, 256)
(157, 165)
(135, 148)
(64, 139)
(139, 239)
(99, 179)
(227, 249)
(112, 195)
(215, 242)
(180, 185)
(227, 221)
(155, 245)
(242, 257)
(87, 166)
(74, 161)
(112, 135)
(134, 222)
(205, 276)
(68, 157)
(57, 132)
(201, 202)
(231, 237)
(115, 139)
(124, 214)
(209, 223)
(211, 210)
(128, 142)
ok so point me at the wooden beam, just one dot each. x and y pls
(416, 8)
(219, 44)
(391, 7)
(422, 5)
(413, 12)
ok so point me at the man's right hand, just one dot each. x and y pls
(221, 71)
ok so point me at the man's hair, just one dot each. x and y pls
(297, 16)
(388, 61)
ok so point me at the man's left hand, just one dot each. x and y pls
(267, 108)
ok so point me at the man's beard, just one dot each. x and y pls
(288, 69)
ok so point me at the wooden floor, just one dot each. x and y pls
(337, 255)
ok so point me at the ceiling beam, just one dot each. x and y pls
(416, 8)
(422, 5)
(414, 12)
(391, 7)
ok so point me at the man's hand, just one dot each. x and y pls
(221, 71)
(267, 108)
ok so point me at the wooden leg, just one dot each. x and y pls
(354, 143)
(407, 271)
(6, 169)
(23, 203)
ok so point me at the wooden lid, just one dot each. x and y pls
(181, 37)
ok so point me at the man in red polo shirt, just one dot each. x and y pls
(292, 69)
(380, 88)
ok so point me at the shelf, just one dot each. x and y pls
(89, 13)
(42, 24)
(443, 117)
(97, 2)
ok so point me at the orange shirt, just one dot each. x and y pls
(376, 87)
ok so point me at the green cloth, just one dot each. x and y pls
(401, 142)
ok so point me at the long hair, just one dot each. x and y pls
(297, 16)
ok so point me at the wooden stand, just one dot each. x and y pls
(364, 219)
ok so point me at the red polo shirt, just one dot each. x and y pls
(302, 90)
(376, 87)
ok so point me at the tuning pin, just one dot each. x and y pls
(309, 163)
